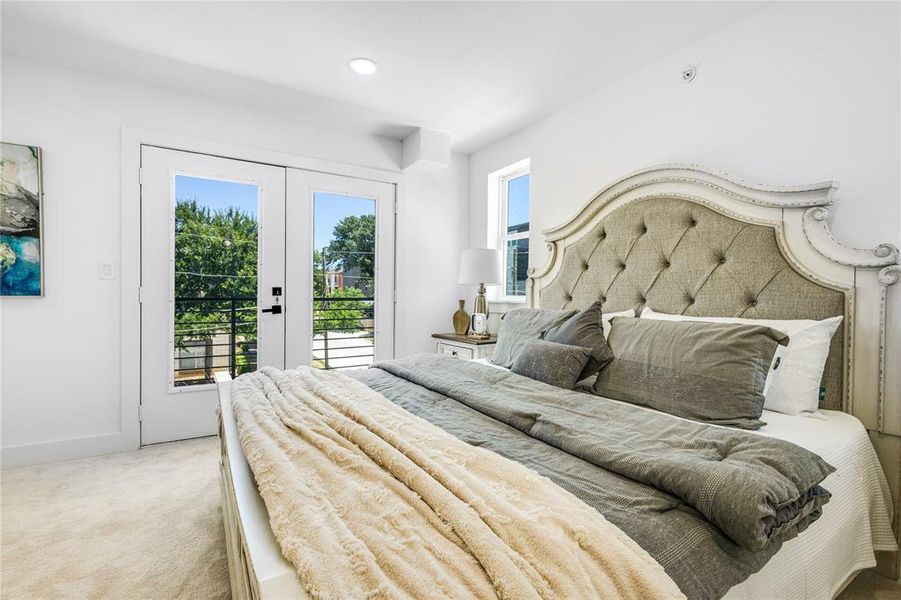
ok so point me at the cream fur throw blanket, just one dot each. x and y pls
(369, 501)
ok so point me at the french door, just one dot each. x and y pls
(246, 265)
(345, 278)
(212, 250)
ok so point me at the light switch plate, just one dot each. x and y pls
(107, 271)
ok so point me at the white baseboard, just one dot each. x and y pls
(45, 452)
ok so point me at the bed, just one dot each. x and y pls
(856, 525)
(609, 252)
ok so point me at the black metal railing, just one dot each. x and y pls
(214, 335)
(343, 331)
(220, 335)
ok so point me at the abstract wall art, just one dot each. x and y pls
(21, 264)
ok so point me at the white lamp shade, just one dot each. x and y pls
(480, 265)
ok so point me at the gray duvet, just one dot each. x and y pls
(710, 504)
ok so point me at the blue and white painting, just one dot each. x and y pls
(20, 221)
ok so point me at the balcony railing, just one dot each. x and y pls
(214, 335)
(343, 332)
(220, 335)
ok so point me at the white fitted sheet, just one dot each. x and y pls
(855, 523)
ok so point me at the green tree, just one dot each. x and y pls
(318, 275)
(215, 252)
(353, 245)
(341, 310)
(215, 257)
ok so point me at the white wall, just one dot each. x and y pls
(794, 93)
(428, 256)
(60, 354)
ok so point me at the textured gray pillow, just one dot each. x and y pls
(584, 329)
(691, 369)
(552, 363)
(521, 325)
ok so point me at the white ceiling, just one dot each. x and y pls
(479, 71)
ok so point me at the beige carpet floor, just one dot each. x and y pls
(134, 525)
(143, 524)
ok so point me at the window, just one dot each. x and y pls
(344, 259)
(512, 218)
(216, 241)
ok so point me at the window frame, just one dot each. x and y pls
(501, 180)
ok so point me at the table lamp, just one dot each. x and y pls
(480, 266)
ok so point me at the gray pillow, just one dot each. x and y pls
(521, 325)
(552, 363)
(584, 329)
(691, 369)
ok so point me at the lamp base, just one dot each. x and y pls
(481, 303)
(478, 325)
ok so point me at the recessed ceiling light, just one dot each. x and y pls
(363, 66)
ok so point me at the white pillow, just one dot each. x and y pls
(607, 317)
(794, 386)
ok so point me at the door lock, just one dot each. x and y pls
(275, 309)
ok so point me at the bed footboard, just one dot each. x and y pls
(243, 581)
(256, 567)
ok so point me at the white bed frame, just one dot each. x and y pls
(256, 566)
(800, 217)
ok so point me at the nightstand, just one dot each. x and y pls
(463, 346)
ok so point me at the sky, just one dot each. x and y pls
(328, 209)
(216, 194)
(518, 200)
(219, 195)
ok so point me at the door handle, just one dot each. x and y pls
(276, 309)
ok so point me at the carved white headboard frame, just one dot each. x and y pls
(799, 215)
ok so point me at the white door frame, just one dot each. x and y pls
(129, 435)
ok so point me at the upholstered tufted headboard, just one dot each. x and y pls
(680, 257)
(687, 240)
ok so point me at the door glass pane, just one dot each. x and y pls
(215, 279)
(517, 266)
(518, 204)
(343, 281)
